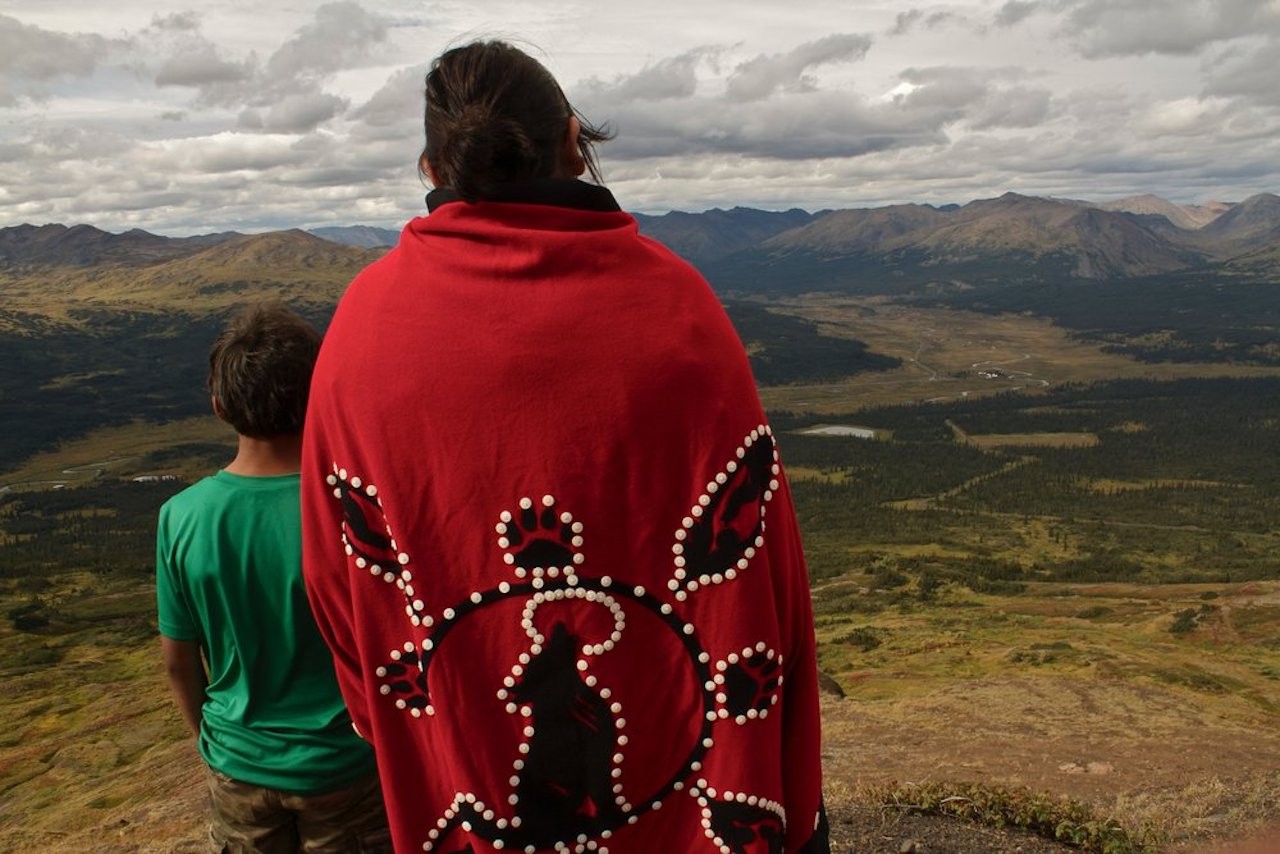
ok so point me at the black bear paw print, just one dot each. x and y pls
(538, 540)
(405, 678)
(748, 683)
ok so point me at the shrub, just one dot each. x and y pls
(887, 579)
(1185, 621)
(28, 616)
(30, 622)
(995, 586)
(929, 584)
(864, 638)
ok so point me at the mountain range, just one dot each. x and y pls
(1011, 238)
(1008, 239)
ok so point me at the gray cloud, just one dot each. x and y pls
(807, 125)
(68, 144)
(342, 34)
(297, 113)
(948, 89)
(938, 19)
(762, 76)
(240, 154)
(201, 67)
(176, 53)
(1014, 107)
(284, 94)
(333, 176)
(1253, 77)
(181, 57)
(31, 56)
(1015, 11)
(160, 163)
(980, 97)
(398, 100)
(674, 77)
(1106, 28)
(664, 110)
(905, 21)
(177, 21)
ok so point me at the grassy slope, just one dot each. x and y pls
(291, 266)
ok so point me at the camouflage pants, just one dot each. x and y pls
(248, 818)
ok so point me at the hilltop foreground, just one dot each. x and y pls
(114, 773)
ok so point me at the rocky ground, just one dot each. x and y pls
(866, 829)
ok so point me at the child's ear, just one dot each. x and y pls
(217, 410)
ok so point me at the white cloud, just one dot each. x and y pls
(1183, 117)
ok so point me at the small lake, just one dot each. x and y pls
(840, 430)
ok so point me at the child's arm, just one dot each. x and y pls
(185, 669)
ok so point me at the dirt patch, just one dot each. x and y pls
(869, 829)
(1153, 757)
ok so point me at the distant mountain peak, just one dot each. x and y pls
(717, 233)
(1248, 226)
(1187, 217)
(81, 245)
(363, 236)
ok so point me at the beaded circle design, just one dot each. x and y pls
(551, 689)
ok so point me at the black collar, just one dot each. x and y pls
(560, 192)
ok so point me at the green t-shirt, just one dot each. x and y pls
(229, 576)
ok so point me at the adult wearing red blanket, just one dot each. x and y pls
(547, 534)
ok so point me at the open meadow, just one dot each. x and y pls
(1040, 570)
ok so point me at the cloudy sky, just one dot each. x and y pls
(259, 114)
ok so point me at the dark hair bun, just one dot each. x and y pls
(495, 115)
(487, 150)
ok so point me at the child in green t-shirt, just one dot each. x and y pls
(251, 675)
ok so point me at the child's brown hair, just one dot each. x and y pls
(260, 371)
